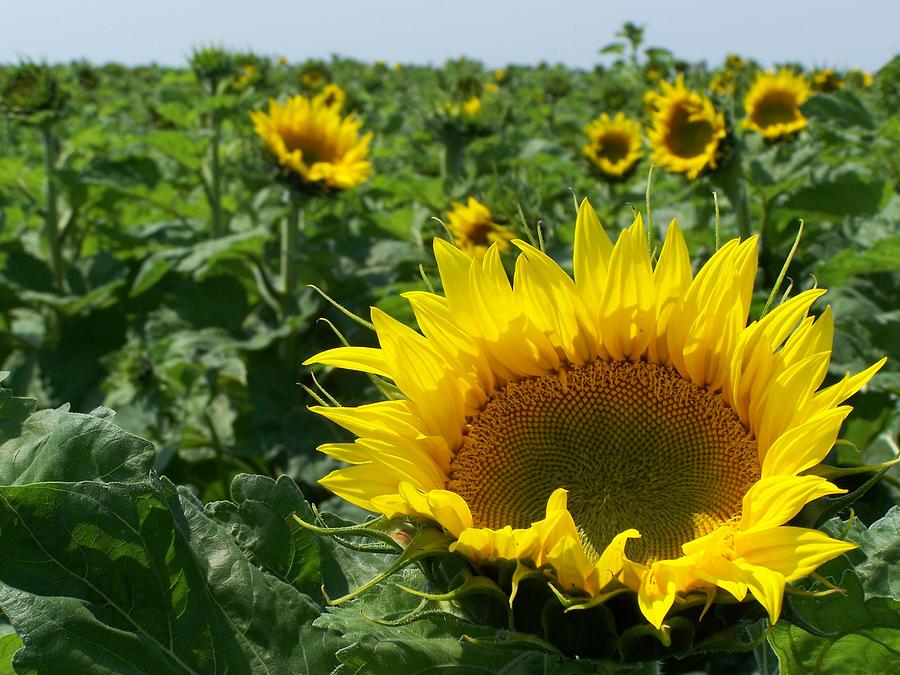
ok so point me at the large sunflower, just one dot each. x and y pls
(627, 429)
(312, 138)
(474, 230)
(686, 129)
(615, 144)
(773, 104)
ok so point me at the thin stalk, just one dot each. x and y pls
(290, 230)
(215, 169)
(51, 214)
(454, 154)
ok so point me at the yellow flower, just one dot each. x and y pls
(282, 61)
(331, 96)
(867, 79)
(773, 104)
(827, 81)
(615, 144)
(472, 107)
(686, 129)
(722, 83)
(491, 88)
(734, 62)
(500, 75)
(625, 428)
(311, 138)
(474, 229)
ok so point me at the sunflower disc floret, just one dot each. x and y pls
(311, 138)
(625, 429)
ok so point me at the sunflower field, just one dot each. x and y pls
(343, 367)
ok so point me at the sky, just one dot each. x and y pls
(820, 33)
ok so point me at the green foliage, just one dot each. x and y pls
(142, 271)
(858, 628)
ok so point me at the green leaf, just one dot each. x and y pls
(14, 410)
(151, 271)
(128, 171)
(851, 631)
(261, 520)
(880, 543)
(882, 256)
(203, 257)
(436, 640)
(873, 651)
(65, 446)
(846, 195)
(843, 108)
(9, 645)
(139, 578)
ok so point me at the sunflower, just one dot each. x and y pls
(474, 229)
(773, 104)
(827, 81)
(615, 144)
(311, 138)
(625, 430)
(686, 129)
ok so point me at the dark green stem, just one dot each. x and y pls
(51, 214)
(215, 188)
(290, 230)
(454, 154)
(735, 187)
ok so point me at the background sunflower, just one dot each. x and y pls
(685, 130)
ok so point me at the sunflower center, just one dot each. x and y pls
(614, 147)
(478, 231)
(314, 148)
(634, 443)
(687, 137)
(775, 108)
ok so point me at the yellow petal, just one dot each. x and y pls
(671, 278)
(656, 595)
(423, 376)
(793, 552)
(593, 250)
(628, 305)
(775, 500)
(803, 446)
(365, 359)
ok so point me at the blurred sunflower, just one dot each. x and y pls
(773, 104)
(686, 129)
(625, 430)
(474, 230)
(615, 144)
(827, 81)
(311, 138)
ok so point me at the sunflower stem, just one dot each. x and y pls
(218, 228)
(290, 229)
(454, 156)
(716, 204)
(51, 215)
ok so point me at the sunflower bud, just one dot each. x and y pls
(32, 93)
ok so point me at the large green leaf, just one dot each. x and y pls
(65, 446)
(387, 639)
(855, 630)
(139, 578)
(882, 256)
(845, 195)
(262, 523)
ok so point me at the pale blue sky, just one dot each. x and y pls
(835, 33)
